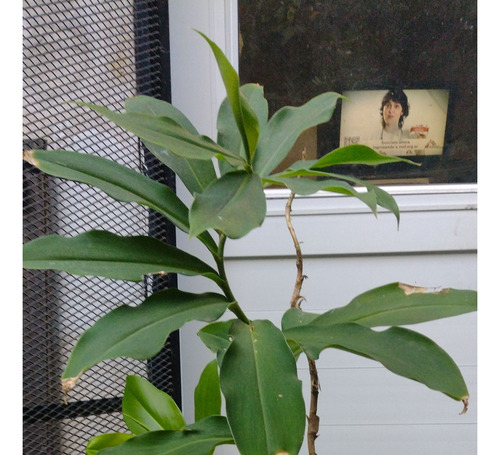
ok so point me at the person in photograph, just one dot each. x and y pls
(393, 111)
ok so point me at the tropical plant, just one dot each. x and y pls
(254, 362)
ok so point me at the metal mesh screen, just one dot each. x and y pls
(99, 51)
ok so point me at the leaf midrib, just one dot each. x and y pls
(415, 307)
(143, 196)
(260, 397)
(156, 323)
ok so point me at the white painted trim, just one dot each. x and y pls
(409, 198)
(434, 219)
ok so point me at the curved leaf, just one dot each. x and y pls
(207, 396)
(119, 182)
(195, 174)
(400, 350)
(140, 332)
(295, 317)
(101, 253)
(384, 199)
(146, 408)
(234, 204)
(143, 104)
(305, 186)
(105, 441)
(199, 438)
(265, 410)
(244, 116)
(286, 125)
(229, 136)
(401, 304)
(356, 154)
(166, 133)
(216, 337)
(303, 169)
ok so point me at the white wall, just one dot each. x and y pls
(347, 251)
(363, 408)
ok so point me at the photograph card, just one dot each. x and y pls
(395, 122)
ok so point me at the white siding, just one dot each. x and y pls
(360, 402)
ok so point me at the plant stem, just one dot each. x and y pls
(295, 301)
(224, 284)
(312, 419)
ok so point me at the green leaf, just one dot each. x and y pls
(229, 136)
(244, 116)
(195, 174)
(216, 337)
(235, 204)
(304, 186)
(388, 305)
(119, 182)
(146, 408)
(295, 317)
(105, 441)
(265, 409)
(207, 396)
(101, 253)
(167, 133)
(303, 169)
(285, 127)
(357, 154)
(401, 304)
(199, 438)
(384, 199)
(400, 350)
(142, 104)
(140, 332)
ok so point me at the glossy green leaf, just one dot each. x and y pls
(146, 408)
(295, 317)
(235, 204)
(119, 182)
(304, 169)
(384, 199)
(101, 253)
(402, 351)
(402, 304)
(305, 186)
(166, 133)
(357, 154)
(105, 441)
(216, 337)
(195, 174)
(142, 104)
(229, 136)
(284, 128)
(140, 332)
(265, 409)
(207, 396)
(199, 438)
(245, 118)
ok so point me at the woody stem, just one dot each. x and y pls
(312, 419)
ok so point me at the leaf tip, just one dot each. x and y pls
(68, 384)
(29, 158)
(465, 401)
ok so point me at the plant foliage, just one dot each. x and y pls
(255, 361)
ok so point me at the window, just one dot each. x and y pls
(298, 49)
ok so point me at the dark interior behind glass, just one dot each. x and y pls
(298, 49)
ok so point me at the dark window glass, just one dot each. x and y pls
(298, 49)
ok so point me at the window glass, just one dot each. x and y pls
(364, 49)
